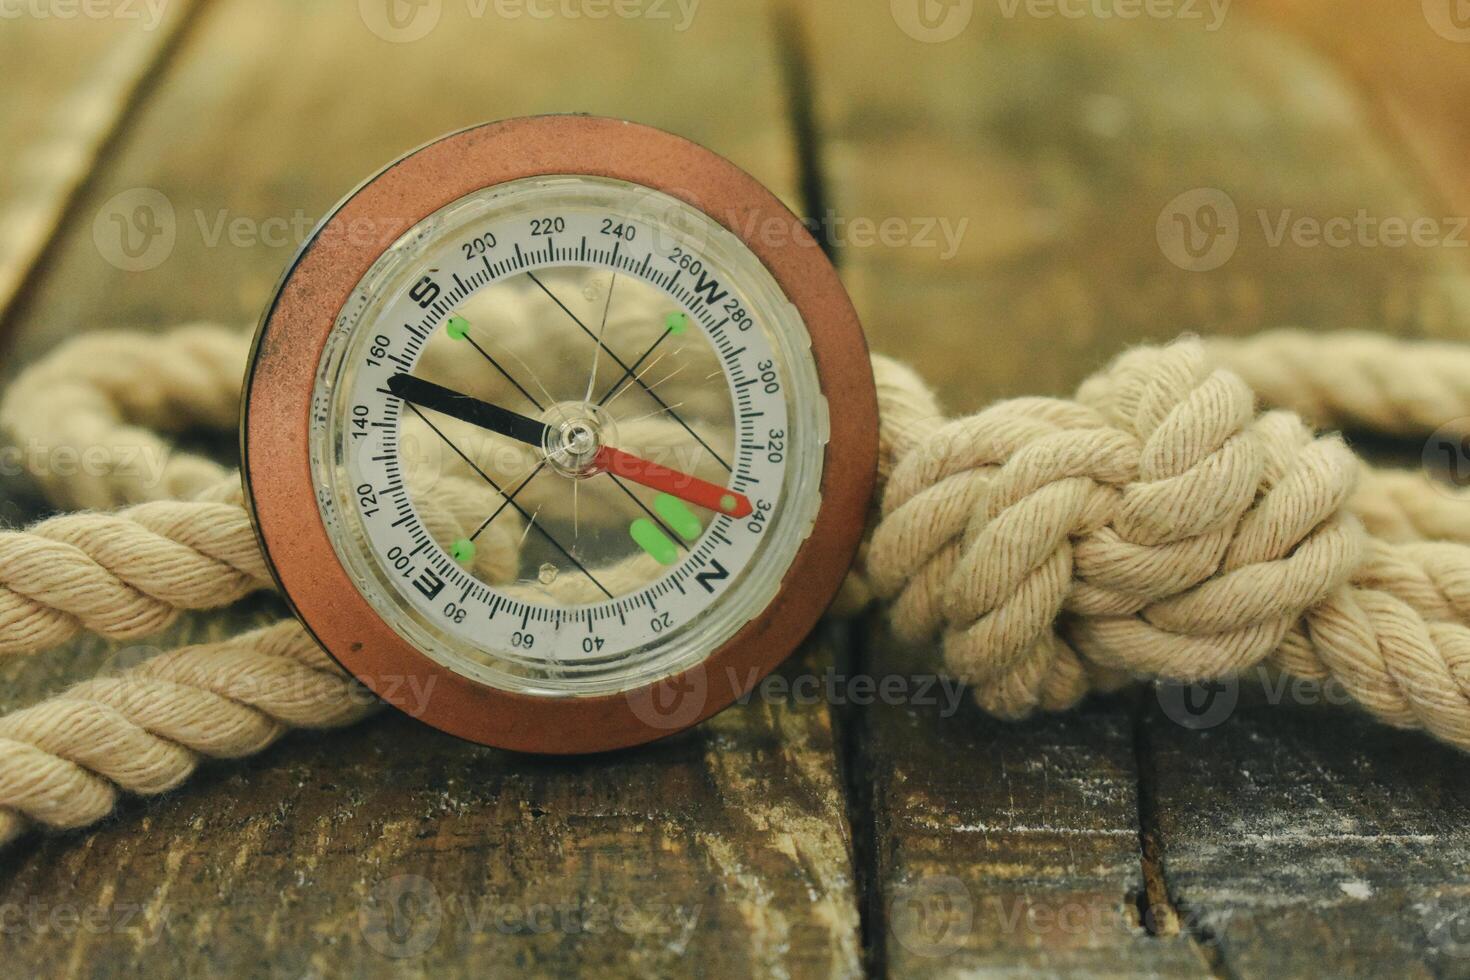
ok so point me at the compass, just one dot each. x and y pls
(560, 433)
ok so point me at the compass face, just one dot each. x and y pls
(568, 436)
(613, 393)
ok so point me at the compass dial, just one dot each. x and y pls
(560, 433)
(615, 393)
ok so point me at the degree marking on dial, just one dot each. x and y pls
(673, 583)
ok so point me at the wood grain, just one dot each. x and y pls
(1410, 59)
(1303, 839)
(82, 72)
(724, 851)
(393, 850)
(1020, 170)
(1062, 141)
(1006, 848)
(274, 112)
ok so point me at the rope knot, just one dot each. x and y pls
(1155, 524)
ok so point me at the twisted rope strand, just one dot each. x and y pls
(1354, 380)
(129, 574)
(64, 761)
(123, 575)
(1155, 525)
(86, 418)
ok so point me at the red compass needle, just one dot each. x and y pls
(682, 485)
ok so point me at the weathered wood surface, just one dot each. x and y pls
(1004, 848)
(1027, 161)
(724, 851)
(1410, 59)
(73, 75)
(1298, 839)
(1277, 844)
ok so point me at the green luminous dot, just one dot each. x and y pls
(653, 541)
(677, 322)
(462, 551)
(727, 503)
(457, 327)
(678, 516)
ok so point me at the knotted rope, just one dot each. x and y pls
(1157, 526)
(1153, 526)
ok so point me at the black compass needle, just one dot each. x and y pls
(460, 406)
(529, 518)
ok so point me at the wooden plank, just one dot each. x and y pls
(1066, 144)
(1408, 58)
(719, 851)
(1004, 848)
(272, 868)
(1298, 836)
(84, 67)
(265, 134)
(1058, 144)
(1304, 839)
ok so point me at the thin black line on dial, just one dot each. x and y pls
(519, 509)
(640, 382)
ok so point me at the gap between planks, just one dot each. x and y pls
(110, 99)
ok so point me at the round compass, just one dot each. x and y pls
(559, 433)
